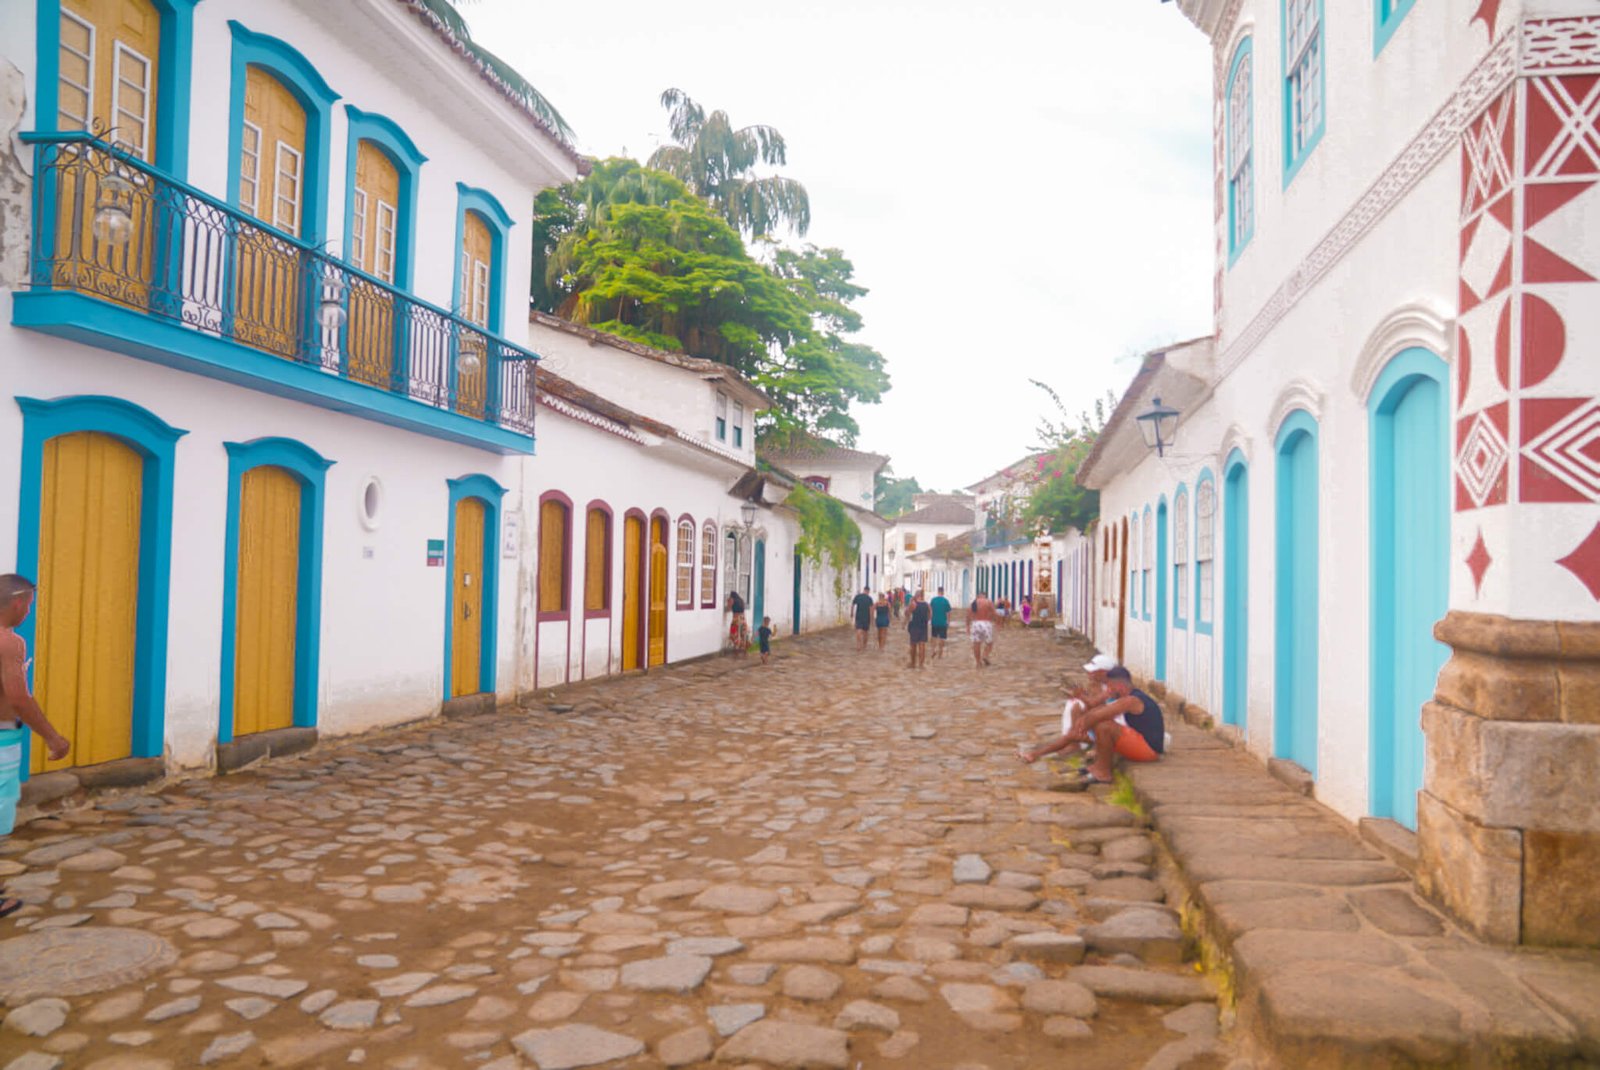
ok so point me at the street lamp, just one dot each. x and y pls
(1159, 426)
(113, 221)
(330, 310)
(748, 512)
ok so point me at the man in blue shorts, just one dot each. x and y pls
(941, 621)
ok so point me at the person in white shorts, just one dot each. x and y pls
(980, 624)
(1080, 700)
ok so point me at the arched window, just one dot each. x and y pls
(1147, 557)
(730, 561)
(1180, 557)
(708, 566)
(597, 561)
(1134, 557)
(1205, 542)
(686, 563)
(554, 555)
(1240, 136)
(745, 559)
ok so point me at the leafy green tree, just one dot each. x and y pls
(1054, 499)
(894, 495)
(715, 159)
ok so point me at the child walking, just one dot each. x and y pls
(764, 638)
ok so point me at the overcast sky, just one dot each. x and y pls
(1024, 186)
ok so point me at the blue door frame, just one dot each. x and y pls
(1410, 481)
(1294, 716)
(1235, 589)
(759, 580)
(1161, 590)
(796, 625)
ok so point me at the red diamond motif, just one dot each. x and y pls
(1479, 561)
(1584, 562)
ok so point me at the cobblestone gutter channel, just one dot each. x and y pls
(1331, 957)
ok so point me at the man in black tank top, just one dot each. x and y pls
(1130, 724)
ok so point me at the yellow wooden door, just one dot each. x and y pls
(266, 600)
(658, 592)
(477, 259)
(632, 543)
(466, 600)
(106, 81)
(87, 628)
(374, 226)
(268, 273)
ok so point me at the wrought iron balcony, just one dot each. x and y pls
(110, 227)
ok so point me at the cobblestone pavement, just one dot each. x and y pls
(831, 861)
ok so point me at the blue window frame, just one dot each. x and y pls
(174, 75)
(471, 199)
(1386, 17)
(301, 79)
(1147, 558)
(308, 468)
(1304, 82)
(1239, 117)
(391, 140)
(1181, 572)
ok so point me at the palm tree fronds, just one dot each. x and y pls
(535, 101)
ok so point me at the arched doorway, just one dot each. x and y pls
(633, 579)
(1294, 714)
(758, 594)
(657, 625)
(1410, 480)
(1235, 589)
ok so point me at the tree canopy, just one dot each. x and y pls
(632, 250)
(1054, 499)
(715, 159)
(894, 495)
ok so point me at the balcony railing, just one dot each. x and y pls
(110, 226)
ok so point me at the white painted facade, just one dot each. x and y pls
(1354, 260)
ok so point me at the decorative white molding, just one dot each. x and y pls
(1561, 46)
(1420, 323)
(592, 419)
(1299, 394)
(1438, 136)
(1235, 438)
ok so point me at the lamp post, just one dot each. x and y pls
(747, 512)
(1159, 426)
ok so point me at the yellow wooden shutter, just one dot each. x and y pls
(594, 561)
(107, 69)
(267, 600)
(552, 557)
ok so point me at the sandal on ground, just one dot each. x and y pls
(10, 906)
(1092, 779)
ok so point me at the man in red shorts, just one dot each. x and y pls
(1130, 724)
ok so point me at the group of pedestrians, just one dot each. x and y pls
(927, 622)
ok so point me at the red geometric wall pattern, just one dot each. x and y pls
(1528, 418)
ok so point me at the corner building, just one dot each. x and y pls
(1375, 549)
(267, 393)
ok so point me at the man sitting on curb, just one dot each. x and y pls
(1130, 724)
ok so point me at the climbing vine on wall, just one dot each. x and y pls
(827, 534)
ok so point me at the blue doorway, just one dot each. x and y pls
(1161, 590)
(796, 625)
(1294, 713)
(1410, 479)
(758, 605)
(1235, 588)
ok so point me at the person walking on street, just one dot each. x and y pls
(881, 619)
(939, 610)
(738, 630)
(764, 639)
(917, 629)
(1027, 611)
(861, 605)
(980, 626)
(17, 704)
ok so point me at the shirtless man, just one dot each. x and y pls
(981, 624)
(16, 700)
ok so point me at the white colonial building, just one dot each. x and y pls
(1005, 558)
(1384, 463)
(851, 476)
(268, 443)
(933, 520)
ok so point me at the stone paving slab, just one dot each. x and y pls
(718, 863)
(1336, 960)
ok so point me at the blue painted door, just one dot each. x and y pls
(1235, 593)
(1295, 682)
(1161, 591)
(796, 593)
(758, 604)
(1410, 577)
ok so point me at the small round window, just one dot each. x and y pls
(371, 503)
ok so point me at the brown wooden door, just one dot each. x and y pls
(268, 272)
(477, 271)
(466, 600)
(632, 545)
(658, 591)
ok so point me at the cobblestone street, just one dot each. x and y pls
(830, 861)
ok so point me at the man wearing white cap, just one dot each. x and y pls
(1080, 700)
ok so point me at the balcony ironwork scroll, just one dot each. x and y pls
(108, 225)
